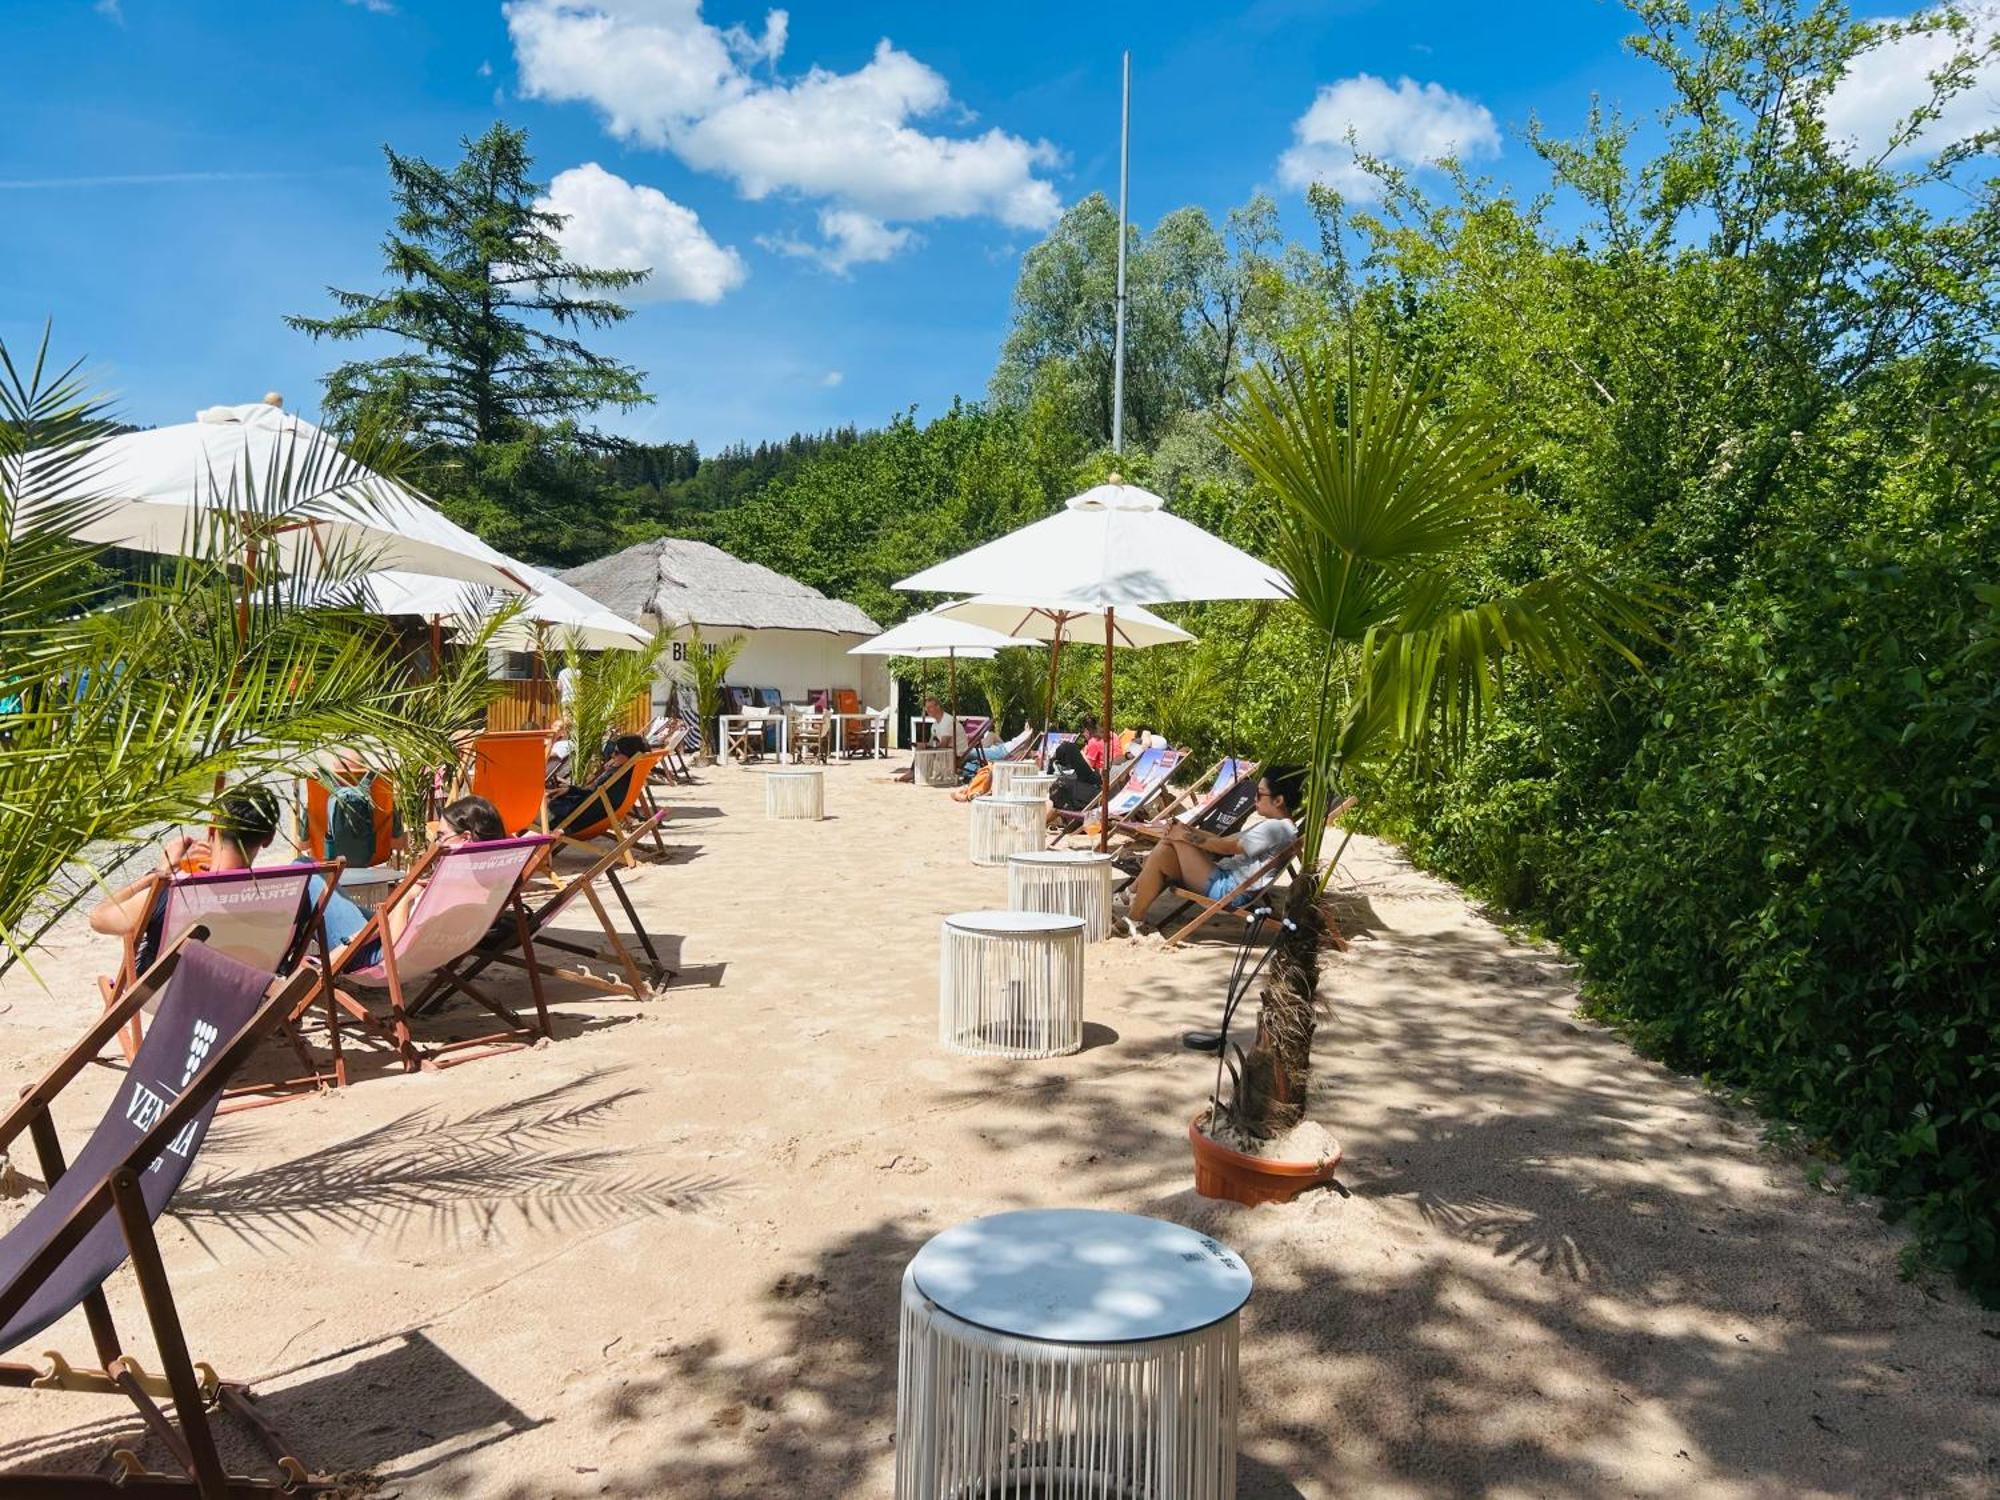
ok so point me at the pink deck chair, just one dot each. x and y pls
(252, 916)
(455, 895)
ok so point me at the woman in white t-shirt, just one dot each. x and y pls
(1219, 864)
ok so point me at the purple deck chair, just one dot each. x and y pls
(455, 895)
(253, 916)
(99, 1211)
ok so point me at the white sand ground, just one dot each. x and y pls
(660, 1257)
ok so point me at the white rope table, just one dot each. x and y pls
(1074, 882)
(796, 793)
(937, 767)
(1069, 1353)
(1038, 785)
(1007, 825)
(1004, 772)
(1010, 984)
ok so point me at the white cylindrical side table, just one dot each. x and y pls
(937, 767)
(1002, 826)
(796, 793)
(1069, 1352)
(1073, 882)
(1010, 984)
(1038, 784)
(1004, 772)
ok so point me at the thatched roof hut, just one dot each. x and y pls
(680, 583)
(794, 638)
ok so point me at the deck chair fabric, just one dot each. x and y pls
(456, 895)
(1144, 777)
(673, 739)
(1050, 742)
(99, 1212)
(499, 945)
(510, 770)
(1222, 804)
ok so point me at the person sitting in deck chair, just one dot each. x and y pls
(610, 781)
(246, 821)
(1218, 864)
(1078, 782)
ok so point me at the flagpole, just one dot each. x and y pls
(1118, 337)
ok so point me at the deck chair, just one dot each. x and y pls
(1222, 802)
(773, 703)
(671, 737)
(1144, 780)
(1265, 874)
(812, 737)
(509, 768)
(1050, 741)
(253, 917)
(456, 896)
(99, 1212)
(608, 811)
(532, 953)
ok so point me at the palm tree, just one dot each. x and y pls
(707, 666)
(124, 701)
(607, 682)
(1386, 497)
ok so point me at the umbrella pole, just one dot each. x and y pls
(1104, 784)
(437, 649)
(1049, 698)
(951, 669)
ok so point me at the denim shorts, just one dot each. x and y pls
(1222, 882)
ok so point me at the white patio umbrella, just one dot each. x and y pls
(931, 636)
(156, 490)
(549, 601)
(1111, 548)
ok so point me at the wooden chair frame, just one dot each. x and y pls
(396, 1030)
(611, 819)
(193, 1389)
(1207, 908)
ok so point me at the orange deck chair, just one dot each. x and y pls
(509, 768)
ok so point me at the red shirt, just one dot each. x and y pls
(1093, 751)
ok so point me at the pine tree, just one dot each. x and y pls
(482, 294)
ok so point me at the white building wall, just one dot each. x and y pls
(795, 662)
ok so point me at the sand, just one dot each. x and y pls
(660, 1256)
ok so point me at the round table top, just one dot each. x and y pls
(1081, 1276)
(371, 875)
(1059, 857)
(1013, 922)
(796, 771)
(1008, 801)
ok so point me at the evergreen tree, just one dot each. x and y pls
(481, 293)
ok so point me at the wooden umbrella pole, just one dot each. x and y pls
(1104, 775)
(437, 649)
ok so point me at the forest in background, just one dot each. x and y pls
(1745, 361)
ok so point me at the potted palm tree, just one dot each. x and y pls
(1386, 495)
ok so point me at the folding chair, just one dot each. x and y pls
(748, 737)
(266, 919)
(1223, 808)
(812, 737)
(1207, 909)
(670, 737)
(605, 811)
(99, 1213)
(1145, 777)
(454, 896)
(509, 768)
(496, 947)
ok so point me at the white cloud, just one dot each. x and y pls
(847, 238)
(376, 7)
(111, 10)
(619, 225)
(485, 70)
(831, 379)
(1887, 82)
(663, 77)
(1410, 125)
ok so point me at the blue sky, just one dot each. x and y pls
(842, 196)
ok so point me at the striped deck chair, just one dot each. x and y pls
(454, 896)
(509, 768)
(1142, 780)
(266, 919)
(500, 947)
(1237, 905)
(98, 1212)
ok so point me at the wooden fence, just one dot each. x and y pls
(530, 703)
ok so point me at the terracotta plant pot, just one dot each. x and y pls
(1220, 1172)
